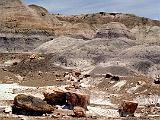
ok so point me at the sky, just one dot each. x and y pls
(144, 8)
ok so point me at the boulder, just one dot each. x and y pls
(55, 96)
(79, 112)
(67, 97)
(127, 108)
(77, 99)
(30, 103)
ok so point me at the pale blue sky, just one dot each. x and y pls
(146, 8)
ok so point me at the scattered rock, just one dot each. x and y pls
(33, 56)
(115, 78)
(76, 73)
(108, 76)
(79, 111)
(157, 81)
(79, 80)
(15, 63)
(58, 75)
(40, 73)
(76, 85)
(94, 117)
(68, 88)
(58, 115)
(72, 78)
(30, 103)
(4, 69)
(149, 110)
(141, 83)
(127, 108)
(86, 76)
(65, 74)
(69, 77)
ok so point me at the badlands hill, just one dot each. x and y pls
(16, 17)
(22, 27)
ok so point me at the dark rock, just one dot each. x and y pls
(102, 13)
(108, 76)
(157, 81)
(33, 57)
(57, 75)
(79, 80)
(65, 74)
(86, 76)
(15, 63)
(114, 14)
(115, 78)
(31, 104)
(76, 73)
(4, 69)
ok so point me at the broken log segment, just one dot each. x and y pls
(127, 108)
(32, 104)
(67, 97)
